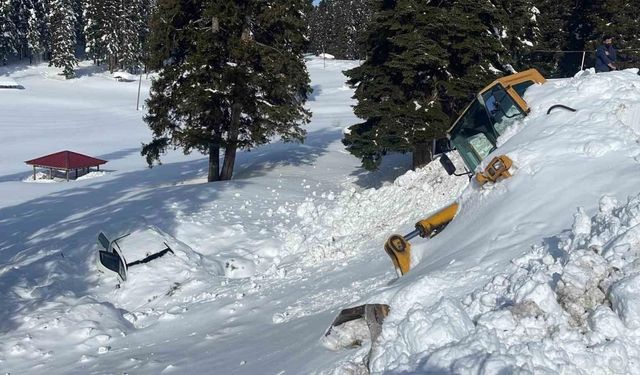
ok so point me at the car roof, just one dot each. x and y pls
(141, 243)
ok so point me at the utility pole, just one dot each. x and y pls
(139, 84)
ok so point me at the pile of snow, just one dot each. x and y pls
(326, 56)
(568, 308)
(336, 228)
(8, 83)
(90, 175)
(124, 76)
(41, 177)
(513, 283)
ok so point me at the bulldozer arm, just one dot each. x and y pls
(398, 247)
(354, 326)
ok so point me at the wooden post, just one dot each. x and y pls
(67, 175)
(34, 173)
(76, 173)
(98, 167)
(51, 173)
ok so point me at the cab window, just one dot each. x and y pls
(501, 108)
(474, 136)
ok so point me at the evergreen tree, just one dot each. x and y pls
(95, 15)
(34, 39)
(232, 77)
(517, 26)
(20, 15)
(63, 38)
(8, 32)
(424, 60)
(130, 37)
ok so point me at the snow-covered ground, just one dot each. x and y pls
(536, 273)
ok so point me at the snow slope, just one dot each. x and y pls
(515, 282)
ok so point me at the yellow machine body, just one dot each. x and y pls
(498, 169)
(474, 134)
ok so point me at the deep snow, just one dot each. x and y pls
(522, 279)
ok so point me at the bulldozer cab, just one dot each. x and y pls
(475, 133)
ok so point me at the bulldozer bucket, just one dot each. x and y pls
(354, 326)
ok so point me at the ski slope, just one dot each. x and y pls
(536, 273)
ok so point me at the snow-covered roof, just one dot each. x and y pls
(141, 244)
(326, 56)
(124, 76)
(8, 83)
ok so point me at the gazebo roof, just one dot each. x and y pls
(66, 160)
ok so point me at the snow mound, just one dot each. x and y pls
(574, 310)
(337, 227)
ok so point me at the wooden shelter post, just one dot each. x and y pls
(34, 173)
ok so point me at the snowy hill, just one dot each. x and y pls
(521, 279)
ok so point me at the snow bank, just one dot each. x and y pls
(577, 310)
(544, 292)
(336, 228)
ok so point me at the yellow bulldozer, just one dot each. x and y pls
(474, 135)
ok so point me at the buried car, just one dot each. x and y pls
(153, 272)
(119, 253)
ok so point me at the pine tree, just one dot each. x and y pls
(34, 38)
(232, 77)
(95, 15)
(63, 38)
(8, 32)
(20, 15)
(424, 60)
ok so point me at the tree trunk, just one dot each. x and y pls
(232, 144)
(214, 161)
(422, 154)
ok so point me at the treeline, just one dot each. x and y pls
(109, 32)
(339, 28)
(424, 59)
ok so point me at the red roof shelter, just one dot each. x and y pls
(66, 161)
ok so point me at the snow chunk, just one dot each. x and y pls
(625, 300)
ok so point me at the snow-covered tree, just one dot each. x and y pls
(63, 37)
(34, 38)
(232, 76)
(8, 32)
(95, 14)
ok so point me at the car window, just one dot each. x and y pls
(113, 262)
(103, 241)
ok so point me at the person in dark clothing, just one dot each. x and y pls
(606, 55)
